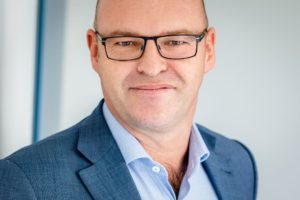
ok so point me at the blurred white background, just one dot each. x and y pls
(17, 64)
(252, 95)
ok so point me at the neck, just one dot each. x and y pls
(170, 150)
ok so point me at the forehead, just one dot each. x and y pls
(150, 17)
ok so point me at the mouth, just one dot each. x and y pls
(152, 89)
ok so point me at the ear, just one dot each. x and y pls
(210, 55)
(93, 47)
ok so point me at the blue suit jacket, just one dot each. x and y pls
(84, 162)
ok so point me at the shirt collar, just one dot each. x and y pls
(198, 150)
(132, 150)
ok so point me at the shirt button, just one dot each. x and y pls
(156, 169)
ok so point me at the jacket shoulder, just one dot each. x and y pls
(242, 160)
(59, 143)
(226, 144)
(33, 171)
(14, 183)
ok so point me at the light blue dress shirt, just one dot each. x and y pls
(151, 178)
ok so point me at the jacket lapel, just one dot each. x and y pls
(220, 169)
(108, 176)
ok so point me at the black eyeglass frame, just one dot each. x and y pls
(198, 38)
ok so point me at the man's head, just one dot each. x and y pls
(152, 93)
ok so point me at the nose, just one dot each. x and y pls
(151, 63)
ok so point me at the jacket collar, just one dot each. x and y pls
(220, 167)
(108, 176)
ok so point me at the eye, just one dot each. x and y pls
(125, 43)
(175, 42)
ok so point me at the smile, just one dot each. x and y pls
(152, 90)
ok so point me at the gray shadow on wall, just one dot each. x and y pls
(49, 65)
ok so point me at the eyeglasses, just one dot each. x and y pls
(126, 48)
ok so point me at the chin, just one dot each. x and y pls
(152, 121)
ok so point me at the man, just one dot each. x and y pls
(140, 142)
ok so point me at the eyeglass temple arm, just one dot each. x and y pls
(99, 37)
(201, 36)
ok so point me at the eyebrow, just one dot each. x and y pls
(132, 33)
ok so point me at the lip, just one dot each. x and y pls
(152, 89)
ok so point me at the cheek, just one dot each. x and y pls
(113, 75)
(190, 70)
